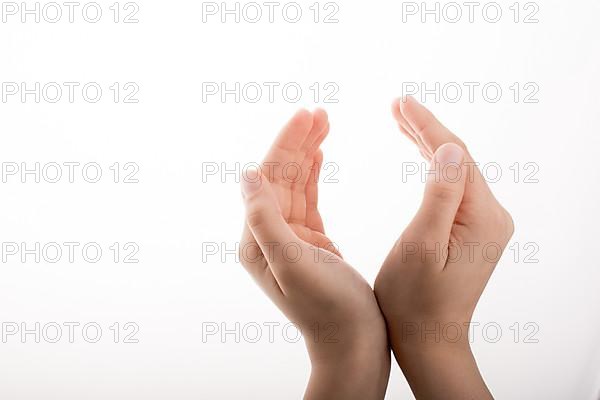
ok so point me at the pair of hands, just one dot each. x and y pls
(426, 291)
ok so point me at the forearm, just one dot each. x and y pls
(443, 370)
(355, 364)
(361, 373)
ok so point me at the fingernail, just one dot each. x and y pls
(251, 181)
(449, 153)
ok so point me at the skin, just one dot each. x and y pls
(314, 287)
(431, 280)
(436, 272)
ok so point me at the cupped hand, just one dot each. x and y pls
(285, 249)
(433, 277)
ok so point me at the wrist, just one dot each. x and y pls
(357, 378)
(355, 367)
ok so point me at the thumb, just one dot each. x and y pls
(443, 193)
(263, 215)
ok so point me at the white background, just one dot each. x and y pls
(171, 214)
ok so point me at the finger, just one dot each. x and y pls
(319, 126)
(317, 143)
(286, 150)
(408, 135)
(400, 118)
(264, 218)
(313, 217)
(407, 129)
(434, 134)
(282, 159)
(302, 169)
(443, 195)
(295, 132)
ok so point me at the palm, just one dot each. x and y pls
(292, 167)
(319, 288)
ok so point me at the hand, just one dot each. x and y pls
(285, 249)
(432, 279)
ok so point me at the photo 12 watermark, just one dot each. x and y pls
(69, 92)
(268, 332)
(69, 332)
(472, 92)
(473, 331)
(290, 252)
(270, 92)
(69, 252)
(71, 172)
(270, 12)
(492, 172)
(68, 12)
(288, 172)
(470, 12)
(453, 252)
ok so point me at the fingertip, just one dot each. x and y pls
(320, 121)
(295, 131)
(320, 113)
(404, 107)
(406, 104)
(303, 117)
